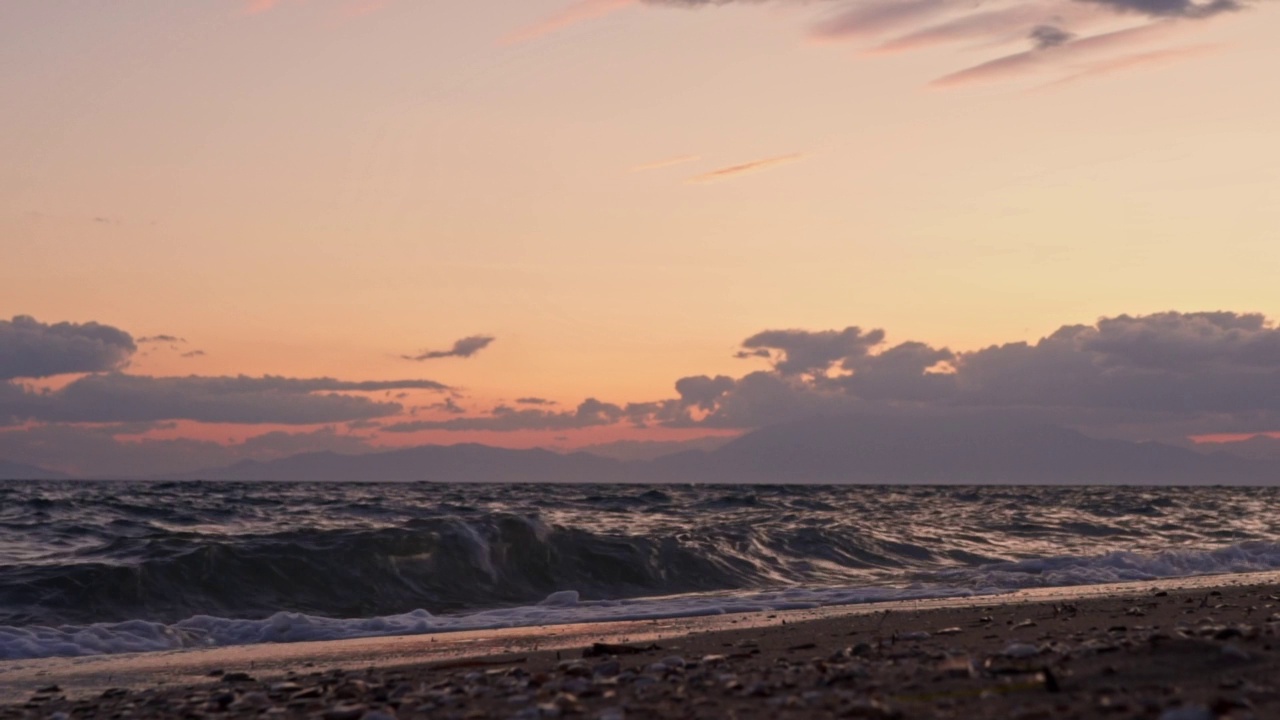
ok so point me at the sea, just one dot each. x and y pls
(108, 567)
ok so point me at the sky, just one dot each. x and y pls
(239, 229)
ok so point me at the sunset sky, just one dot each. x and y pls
(347, 224)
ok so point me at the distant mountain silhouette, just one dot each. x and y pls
(18, 471)
(1260, 447)
(826, 450)
(880, 450)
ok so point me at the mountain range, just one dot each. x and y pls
(818, 450)
(851, 449)
(19, 471)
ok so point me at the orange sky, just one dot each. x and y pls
(621, 191)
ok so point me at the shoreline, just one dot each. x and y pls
(778, 634)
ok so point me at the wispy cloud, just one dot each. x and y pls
(1043, 56)
(670, 162)
(464, 348)
(725, 173)
(980, 26)
(1154, 58)
(1024, 35)
(579, 11)
(868, 19)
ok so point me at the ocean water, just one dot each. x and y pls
(101, 567)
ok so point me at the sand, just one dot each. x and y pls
(1173, 650)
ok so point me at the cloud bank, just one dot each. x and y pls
(1165, 374)
(116, 397)
(504, 418)
(32, 349)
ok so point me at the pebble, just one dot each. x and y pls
(852, 682)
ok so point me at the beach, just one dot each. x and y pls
(1169, 650)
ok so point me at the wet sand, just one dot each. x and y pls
(1173, 650)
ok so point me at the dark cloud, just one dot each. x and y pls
(703, 392)
(589, 413)
(1172, 8)
(911, 371)
(896, 25)
(448, 406)
(864, 16)
(534, 401)
(115, 397)
(1047, 36)
(802, 351)
(1159, 375)
(1168, 362)
(32, 349)
(464, 348)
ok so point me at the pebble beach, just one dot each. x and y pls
(1201, 652)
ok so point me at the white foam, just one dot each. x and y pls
(1114, 567)
(559, 608)
(567, 607)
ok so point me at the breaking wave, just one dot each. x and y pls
(125, 567)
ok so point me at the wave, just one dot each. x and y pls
(110, 567)
(446, 564)
(568, 606)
